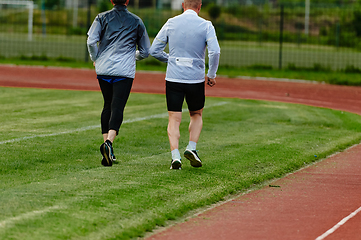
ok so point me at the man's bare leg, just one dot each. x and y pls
(195, 125)
(174, 121)
(195, 128)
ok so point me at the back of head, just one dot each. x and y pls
(192, 4)
(119, 2)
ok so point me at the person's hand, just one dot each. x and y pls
(94, 64)
(211, 82)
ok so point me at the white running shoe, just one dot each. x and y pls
(193, 157)
(176, 164)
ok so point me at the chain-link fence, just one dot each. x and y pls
(263, 33)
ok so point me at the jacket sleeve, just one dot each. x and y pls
(93, 39)
(214, 51)
(143, 43)
(159, 44)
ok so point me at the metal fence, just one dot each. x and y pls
(266, 35)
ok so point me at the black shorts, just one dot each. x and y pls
(193, 93)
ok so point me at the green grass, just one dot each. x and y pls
(53, 186)
(311, 74)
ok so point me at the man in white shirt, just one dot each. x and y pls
(188, 35)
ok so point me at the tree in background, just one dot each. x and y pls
(214, 11)
(104, 5)
(356, 23)
(51, 4)
(338, 2)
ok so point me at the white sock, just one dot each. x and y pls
(192, 145)
(176, 154)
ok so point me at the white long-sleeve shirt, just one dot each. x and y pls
(188, 36)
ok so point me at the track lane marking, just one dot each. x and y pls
(339, 224)
(28, 215)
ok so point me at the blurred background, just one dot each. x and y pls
(293, 34)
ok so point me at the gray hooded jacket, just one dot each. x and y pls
(118, 33)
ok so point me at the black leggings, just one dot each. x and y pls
(115, 97)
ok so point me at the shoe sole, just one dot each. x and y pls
(193, 159)
(107, 162)
(176, 165)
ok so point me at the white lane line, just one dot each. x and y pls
(162, 115)
(339, 224)
(28, 215)
(50, 134)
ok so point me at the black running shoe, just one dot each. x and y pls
(105, 162)
(176, 164)
(106, 150)
(192, 156)
(111, 152)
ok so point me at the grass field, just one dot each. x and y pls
(53, 186)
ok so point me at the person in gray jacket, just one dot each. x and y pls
(112, 43)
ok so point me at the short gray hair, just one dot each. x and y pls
(192, 3)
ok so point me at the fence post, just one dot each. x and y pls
(43, 17)
(337, 35)
(75, 13)
(281, 37)
(307, 17)
(30, 20)
(88, 26)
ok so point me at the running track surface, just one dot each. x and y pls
(322, 201)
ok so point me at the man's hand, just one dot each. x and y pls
(211, 82)
(94, 64)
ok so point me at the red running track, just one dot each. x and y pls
(307, 204)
